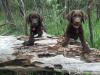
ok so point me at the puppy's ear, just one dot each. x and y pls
(84, 16)
(70, 15)
(28, 18)
(41, 18)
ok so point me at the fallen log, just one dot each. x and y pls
(43, 56)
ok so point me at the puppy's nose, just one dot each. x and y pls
(77, 20)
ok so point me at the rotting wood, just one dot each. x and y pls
(93, 68)
(43, 57)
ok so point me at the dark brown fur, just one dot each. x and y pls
(75, 29)
(36, 27)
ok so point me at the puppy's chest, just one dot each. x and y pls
(74, 34)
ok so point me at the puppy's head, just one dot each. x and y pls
(34, 20)
(76, 17)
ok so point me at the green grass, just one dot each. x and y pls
(96, 31)
(54, 25)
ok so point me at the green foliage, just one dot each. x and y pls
(96, 31)
(54, 22)
(87, 73)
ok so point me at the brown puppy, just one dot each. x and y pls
(75, 30)
(36, 27)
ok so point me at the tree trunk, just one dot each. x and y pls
(22, 8)
(7, 10)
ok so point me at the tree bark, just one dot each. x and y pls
(22, 8)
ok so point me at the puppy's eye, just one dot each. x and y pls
(74, 15)
(80, 15)
(32, 17)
